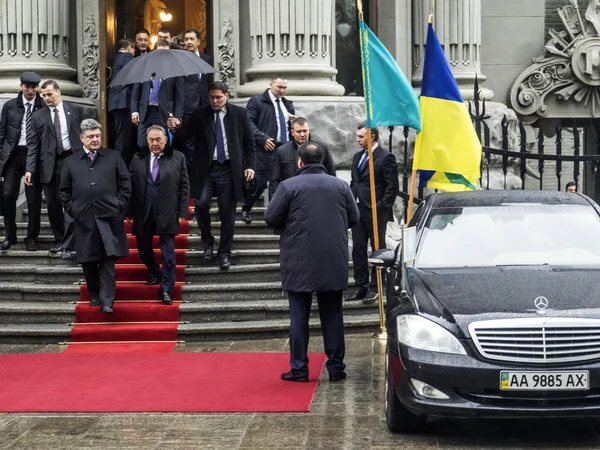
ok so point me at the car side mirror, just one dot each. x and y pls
(383, 258)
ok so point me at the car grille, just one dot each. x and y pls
(541, 399)
(545, 340)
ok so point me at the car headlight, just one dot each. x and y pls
(418, 332)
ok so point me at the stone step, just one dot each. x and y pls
(258, 213)
(240, 241)
(193, 257)
(26, 333)
(256, 227)
(248, 310)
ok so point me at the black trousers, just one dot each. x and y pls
(362, 233)
(123, 133)
(332, 326)
(151, 118)
(100, 279)
(61, 223)
(262, 180)
(167, 250)
(219, 182)
(14, 170)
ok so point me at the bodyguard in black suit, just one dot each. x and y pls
(386, 190)
(142, 40)
(95, 190)
(284, 163)
(269, 115)
(119, 100)
(195, 89)
(314, 256)
(223, 159)
(15, 134)
(153, 101)
(54, 137)
(160, 203)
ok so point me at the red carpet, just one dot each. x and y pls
(140, 322)
(145, 382)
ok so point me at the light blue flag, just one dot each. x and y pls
(390, 99)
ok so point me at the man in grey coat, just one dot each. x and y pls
(314, 211)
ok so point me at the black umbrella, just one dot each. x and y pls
(161, 64)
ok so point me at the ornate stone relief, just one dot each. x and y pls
(90, 59)
(227, 56)
(569, 68)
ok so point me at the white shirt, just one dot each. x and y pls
(221, 116)
(286, 117)
(199, 75)
(64, 128)
(23, 136)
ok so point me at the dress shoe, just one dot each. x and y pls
(166, 298)
(94, 300)
(153, 279)
(31, 246)
(208, 253)
(371, 297)
(66, 254)
(339, 376)
(246, 217)
(6, 245)
(357, 294)
(294, 376)
(106, 309)
(56, 249)
(224, 262)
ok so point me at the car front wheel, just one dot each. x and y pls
(397, 417)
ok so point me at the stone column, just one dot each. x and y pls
(457, 24)
(34, 35)
(293, 38)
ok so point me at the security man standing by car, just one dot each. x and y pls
(318, 260)
(15, 134)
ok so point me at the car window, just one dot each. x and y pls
(510, 235)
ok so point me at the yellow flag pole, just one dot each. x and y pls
(381, 334)
(413, 177)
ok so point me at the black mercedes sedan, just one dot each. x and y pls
(493, 308)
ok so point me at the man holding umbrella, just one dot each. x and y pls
(152, 102)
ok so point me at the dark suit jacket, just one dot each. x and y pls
(239, 142)
(172, 185)
(119, 97)
(196, 90)
(10, 125)
(263, 121)
(96, 194)
(41, 152)
(170, 99)
(386, 184)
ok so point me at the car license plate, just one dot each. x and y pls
(543, 381)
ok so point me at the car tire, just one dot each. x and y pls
(397, 417)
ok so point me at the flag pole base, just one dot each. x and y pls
(380, 335)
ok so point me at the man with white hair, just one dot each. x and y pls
(95, 189)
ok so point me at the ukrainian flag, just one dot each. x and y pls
(390, 99)
(447, 150)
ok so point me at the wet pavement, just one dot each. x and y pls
(344, 415)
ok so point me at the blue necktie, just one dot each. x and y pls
(282, 124)
(220, 141)
(364, 162)
(154, 91)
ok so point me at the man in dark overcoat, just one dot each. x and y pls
(223, 160)
(314, 211)
(160, 184)
(95, 190)
(386, 190)
(15, 133)
(55, 135)
(270, 114)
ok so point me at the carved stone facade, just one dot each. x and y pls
(90, 59)
(565, 78)
(226, 67)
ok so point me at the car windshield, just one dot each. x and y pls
(518, 234)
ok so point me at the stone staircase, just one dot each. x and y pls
(39, 292)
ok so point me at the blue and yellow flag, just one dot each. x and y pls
(447, 150)
(390, 99)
